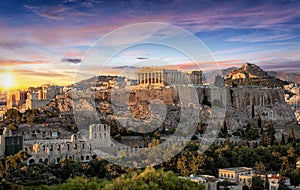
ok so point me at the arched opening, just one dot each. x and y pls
(87, 157)
(81, 158)
(68, 146)
(31, 161)
(40, 160)
(58, 160)
(46, 160)
(82, 145)
(94, 156)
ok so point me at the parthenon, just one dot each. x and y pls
(161, 76)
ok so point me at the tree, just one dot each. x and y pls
(291, 137)
(271, 133)
(259, 122)
(282, 139)
(224, 131)
(257, 183)
(13, 115)
(282, 186)
(265, 139)
(266, 183)
(260, 167)
(197, 163)
(182, 166)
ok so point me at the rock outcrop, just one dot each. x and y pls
(252, 75)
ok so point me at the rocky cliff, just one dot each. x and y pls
(252, 75)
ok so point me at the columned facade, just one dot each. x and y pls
(160, 76)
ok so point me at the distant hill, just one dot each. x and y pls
(289, 77)
(252, 75)
(228, 70)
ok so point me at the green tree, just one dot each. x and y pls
(282, 139)
(282, 186)
(259, 122)
(291, 137)
(271, 133)
(13, 115)
(257, 183)
(223, 131)
(266, 183)
(260, 167)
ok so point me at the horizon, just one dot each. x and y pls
(45, 42)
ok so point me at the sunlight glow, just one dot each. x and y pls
(7, 80)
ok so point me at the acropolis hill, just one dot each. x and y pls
(245, 95)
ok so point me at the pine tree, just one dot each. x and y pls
(259, 122)
(291, 137)
(282, 139)
(266, 183)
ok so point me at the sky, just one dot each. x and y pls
(50, 41)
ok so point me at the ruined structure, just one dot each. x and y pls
(15, 98)
(162, 77)
(38, 97)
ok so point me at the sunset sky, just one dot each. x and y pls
(45, 41)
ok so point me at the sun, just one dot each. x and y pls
(7, 80)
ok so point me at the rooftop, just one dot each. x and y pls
(237, 169)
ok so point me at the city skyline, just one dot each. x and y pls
(43, 42)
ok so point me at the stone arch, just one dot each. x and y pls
(87, 157)
(81, 157)
(31, 161)
(94, 156)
